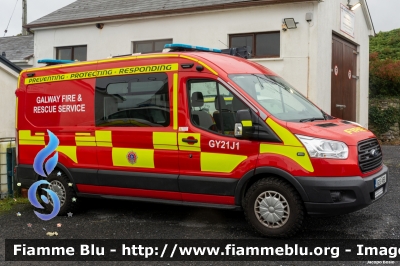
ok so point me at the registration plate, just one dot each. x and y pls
(380, 181)
(378, 192)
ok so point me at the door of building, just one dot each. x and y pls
(344, 79)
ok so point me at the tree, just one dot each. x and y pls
(386, 44)
(385, 64)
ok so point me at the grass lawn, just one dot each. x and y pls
(6, 204)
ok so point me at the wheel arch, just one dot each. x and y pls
(65, 170)
(256, 174)
(68, 173)
(62, 168)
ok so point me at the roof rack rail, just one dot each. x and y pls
(122, 55)
(50, 62)
(243, 52)
(187, 47)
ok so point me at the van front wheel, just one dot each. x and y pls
(273, 208)
(59, 183)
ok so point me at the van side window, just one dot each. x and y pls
(212, 106)
(133, 101)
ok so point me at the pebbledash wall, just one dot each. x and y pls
(306, 52)
(8, 85)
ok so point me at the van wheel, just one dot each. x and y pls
(273, 208)
(59, 184)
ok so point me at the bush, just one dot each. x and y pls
(386, 44)
(384, 76)
(383, 119)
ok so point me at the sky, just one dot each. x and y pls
(382, 12)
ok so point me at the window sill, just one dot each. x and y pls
(266, 59)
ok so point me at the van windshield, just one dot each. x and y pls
(278, 97)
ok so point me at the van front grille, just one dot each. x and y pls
(369, 155)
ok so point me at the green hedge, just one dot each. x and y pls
(382, 119)
(385, 64)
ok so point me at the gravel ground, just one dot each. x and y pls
(111, 219)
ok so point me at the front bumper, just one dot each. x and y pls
(356, 193)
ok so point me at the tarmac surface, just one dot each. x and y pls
(112, 219)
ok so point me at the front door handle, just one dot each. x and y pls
(191, 140)
(341, 106)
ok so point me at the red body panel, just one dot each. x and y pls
(130, 192)
(177, 162)
(331, 167)
(191, 166)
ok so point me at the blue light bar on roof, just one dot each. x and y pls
(191, 47)
(54, 61)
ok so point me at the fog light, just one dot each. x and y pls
(336, 196)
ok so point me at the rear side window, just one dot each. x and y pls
(133, 101)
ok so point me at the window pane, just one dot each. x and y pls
(133, 101)
(117, 88)
(202, 103)
(64, 53)
(277, 97)
(144, 47)
(240, 41)
(230, 104)
(80, 53)
(212, 107)
(159, 45)
(268, 44)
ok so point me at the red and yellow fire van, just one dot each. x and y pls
(195, 128)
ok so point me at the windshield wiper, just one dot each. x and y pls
(311, 119)
(271, 81)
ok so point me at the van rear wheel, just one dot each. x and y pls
(59, 183)
(273, 208)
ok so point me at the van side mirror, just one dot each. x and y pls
(244, 124)
(238, 130)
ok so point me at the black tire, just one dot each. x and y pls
(61, 179)
(290, 223)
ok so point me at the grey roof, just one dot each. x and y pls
(8, 63)
(97, 10)
(17, 48)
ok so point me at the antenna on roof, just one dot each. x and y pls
(223, 43)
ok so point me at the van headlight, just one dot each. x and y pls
(324, 148)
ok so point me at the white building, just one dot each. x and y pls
(8, 84)
(326, 57)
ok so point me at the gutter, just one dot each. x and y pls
(21, 63)
(368, 17)
(241, 4)
(10, 65)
